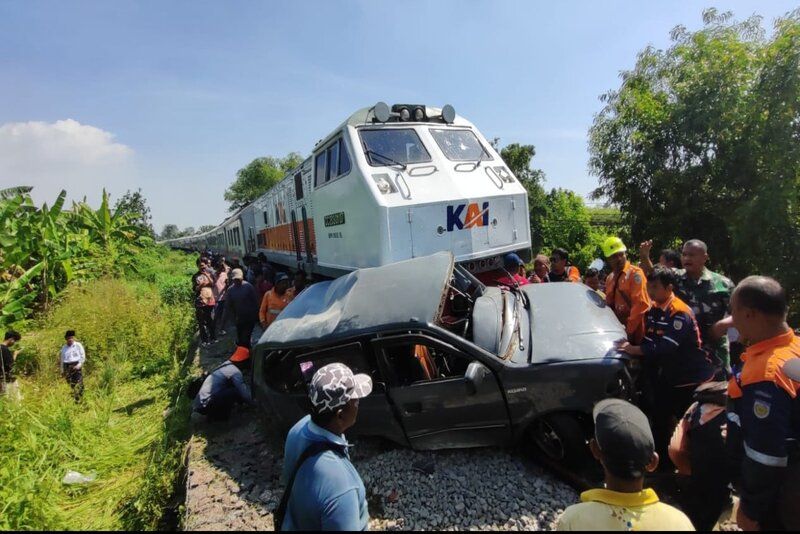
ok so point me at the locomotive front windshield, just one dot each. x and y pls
(393, 147)
(460, 145)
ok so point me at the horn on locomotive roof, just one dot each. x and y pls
(382, 113)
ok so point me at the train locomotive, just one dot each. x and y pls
(388, 184)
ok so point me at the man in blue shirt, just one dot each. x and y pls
(224, 387)
(327, 493)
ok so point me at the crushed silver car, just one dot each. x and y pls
(454, 363)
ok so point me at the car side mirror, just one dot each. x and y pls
(474, 377)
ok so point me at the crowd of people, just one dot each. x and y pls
(714, 382)
(249, 293)
(718, 405)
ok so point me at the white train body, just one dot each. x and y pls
(374, 193)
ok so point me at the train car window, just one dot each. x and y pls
(344, 158)
(319, 169)
(460, 145)
(333, 161)
(298, 186)
(387, 147)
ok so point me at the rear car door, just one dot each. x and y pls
(437, 408)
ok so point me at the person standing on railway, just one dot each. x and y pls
(626, 289)
(674, 360)
(72, 358)
(667, 258)
(275, 300)
(220, 290)
(323, 488)
(624, 446)
(513, 271)
(242, 303)
(592, 279)
(204, 304)
(697, 449)
(763, 432)
(561, 270)
(541, 268)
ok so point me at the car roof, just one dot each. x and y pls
(363, 301)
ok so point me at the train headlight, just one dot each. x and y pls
(384, 184)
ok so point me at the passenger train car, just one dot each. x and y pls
(388, 184)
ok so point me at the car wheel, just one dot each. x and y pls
(561, 438)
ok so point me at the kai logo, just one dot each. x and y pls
(475, 216)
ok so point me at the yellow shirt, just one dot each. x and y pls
(602, 509)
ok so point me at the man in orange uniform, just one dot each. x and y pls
(561, 270)
(764, 409)
(626, 289)
(275, 300)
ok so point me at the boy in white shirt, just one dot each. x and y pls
(72, 357)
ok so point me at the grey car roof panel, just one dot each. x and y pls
(363, 301)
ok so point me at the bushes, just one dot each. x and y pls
(135, 345)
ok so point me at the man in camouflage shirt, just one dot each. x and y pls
(708, 294)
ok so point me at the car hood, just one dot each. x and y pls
(571, 321)
(410, 291)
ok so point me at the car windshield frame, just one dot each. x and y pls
(446, 145)
(388, 158)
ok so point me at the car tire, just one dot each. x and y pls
(561, 438)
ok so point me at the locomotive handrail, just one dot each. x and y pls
(459, 167)
(398, 178)
(430, 168)
(490, 172)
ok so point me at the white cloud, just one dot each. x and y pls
(64, 155)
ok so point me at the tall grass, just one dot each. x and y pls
(130, 428)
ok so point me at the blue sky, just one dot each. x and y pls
(174, 97)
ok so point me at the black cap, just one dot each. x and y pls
(623, 435)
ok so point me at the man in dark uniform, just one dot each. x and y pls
(673, 358)
(764, 409)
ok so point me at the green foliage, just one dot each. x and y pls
(135, 206)
(170, 231)
(518, 158)
(701, 141)
(44, 249)
(119, 432)
(257, 177)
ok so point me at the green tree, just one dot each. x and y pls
(701, 140)
(170, 231)
(257, 177)
(186, 232)
(205, 228)
(518, 158)
(134, 206)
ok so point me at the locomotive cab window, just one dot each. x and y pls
(331, 163)
(460, 145)
(387, 147)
